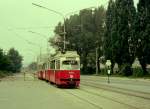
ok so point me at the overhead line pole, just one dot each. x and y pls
(64, 47)
(64, 19)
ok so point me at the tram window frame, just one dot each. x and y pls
(57, 64)
(72, 65)
(70, 62)
(43, 66)
(52, 65)
(48, 65)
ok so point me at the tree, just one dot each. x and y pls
(119, 34)
(80, 34)
(99, 27)
(143, 33)
(4, 61)
(126, 15)
(110, 33)
(15, 59)
(33, 66)
(1, 59)
(84, 34)
(57, 41)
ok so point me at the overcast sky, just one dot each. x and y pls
(17, 17)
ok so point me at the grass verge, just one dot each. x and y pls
(4, 74)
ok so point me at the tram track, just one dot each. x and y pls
(100, 96)
(83, 99)
(111, 99)
(129, 92)
(124, 82)
(84, 94)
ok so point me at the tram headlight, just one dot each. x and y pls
(71, 76)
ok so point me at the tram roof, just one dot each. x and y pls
(66, 54)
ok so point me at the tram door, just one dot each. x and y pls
(52, 76)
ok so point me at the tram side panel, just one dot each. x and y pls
(68, 77)
(52, 76)
(40, 74)
(48, 75)
(43, 74)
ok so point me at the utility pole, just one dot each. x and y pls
(96, 60)
(64, 19)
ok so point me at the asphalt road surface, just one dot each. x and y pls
(93, 93)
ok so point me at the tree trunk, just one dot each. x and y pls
(84, 69)
(143, 65)
(98, 65)
(112, 66)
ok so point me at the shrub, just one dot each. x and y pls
(4, 74)
(138, 72)
(126, 70)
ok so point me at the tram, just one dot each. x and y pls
(62, 69)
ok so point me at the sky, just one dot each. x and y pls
(18, 17)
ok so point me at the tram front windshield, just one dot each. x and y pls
(70, 65)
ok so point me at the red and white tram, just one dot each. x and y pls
(62, 69)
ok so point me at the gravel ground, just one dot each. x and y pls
(15, 93)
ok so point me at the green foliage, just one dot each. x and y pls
(119, 34)
(110, 17)
(143, 31)
(4, 74)
(84, 34)
(126, 70)
(4, 61)
(33, 66)
(120, 18)
(15, 59)
(137, 72)
(11, 62)
(103, 71)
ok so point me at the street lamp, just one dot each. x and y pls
(56, 12)
(63, 16)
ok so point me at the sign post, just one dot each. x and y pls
(24, 75)
(108, 64)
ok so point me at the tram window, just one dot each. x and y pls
(43, 66)
(52, 65)
(70, 64)
(49, 65)
(57, 64)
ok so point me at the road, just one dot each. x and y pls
(15, 93)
